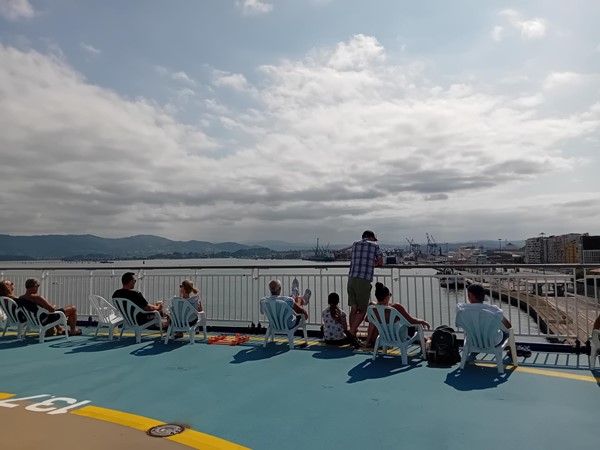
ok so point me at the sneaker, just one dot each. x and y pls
(295, 292)
(306, 296)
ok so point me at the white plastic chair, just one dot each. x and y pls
(34, 321)
(393, 332)
(482, 329)
(108, 315)
(181, 313)
(129, 311)
(595, 347)
(278, 314)
(11, 310)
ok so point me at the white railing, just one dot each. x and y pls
(539, 301)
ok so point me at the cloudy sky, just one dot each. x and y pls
(245, 120)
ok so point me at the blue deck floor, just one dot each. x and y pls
(317, 397)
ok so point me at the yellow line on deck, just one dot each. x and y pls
(189, 437)
(548, 373)
(4, 395)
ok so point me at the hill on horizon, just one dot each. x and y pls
(140, 246)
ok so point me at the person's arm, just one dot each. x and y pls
(300, 310)
(378, 257)
(411, 319)
(43, 303)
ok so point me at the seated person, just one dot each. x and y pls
(597, 323)
(296, 304)
(335, 325)
(7, 290)
(128, 281)
(31, 301)
(383, 296)
(476, 297)
(189, 292)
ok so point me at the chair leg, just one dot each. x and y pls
(138, 335)
(121, 334)
(192, 333)
(464, 356)
(98, 328)
(42, 335)
(291, 340)
(499, 362)
(305, 335)
(513, 348)
(266, 338)
(593, 357)
(167, 335)
(375, 348)
(111, 332)
(404, 355)
(6, 328)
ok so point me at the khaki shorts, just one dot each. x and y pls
(359, 293)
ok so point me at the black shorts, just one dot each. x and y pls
(193, 321)
(52, 317)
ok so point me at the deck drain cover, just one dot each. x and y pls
(165, 430)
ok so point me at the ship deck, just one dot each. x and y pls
(317, 397)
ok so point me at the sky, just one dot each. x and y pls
(250, 120)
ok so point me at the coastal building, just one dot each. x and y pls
(590, 249)
(535, 250)
(571, 248)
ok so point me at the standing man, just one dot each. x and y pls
(366, 255)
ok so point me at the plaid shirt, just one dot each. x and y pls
(362, 263)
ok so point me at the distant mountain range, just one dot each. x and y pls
(89, 246)
(148, 246)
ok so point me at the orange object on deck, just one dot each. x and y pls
(223, 339)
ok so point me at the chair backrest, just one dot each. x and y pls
(10, 309)
(128, 310)
(481, 327)
(34, 318)
(596, 336)
(107, 313)
(182, 312)
(278, 313)
(392, 326)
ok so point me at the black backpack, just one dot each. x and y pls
(443, 350)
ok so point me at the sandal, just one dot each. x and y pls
(77, 332)
(60, 333)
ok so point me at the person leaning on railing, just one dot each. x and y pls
(32, 301)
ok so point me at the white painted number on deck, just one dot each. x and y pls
(49, 406)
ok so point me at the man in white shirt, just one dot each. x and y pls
(476, 297)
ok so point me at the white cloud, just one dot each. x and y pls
(183, 78)
(90, 48)
(254, 7)
(528, 28)
(16, 9)
(497, 33)
(235, 81)
(336, 141)
(561, 79)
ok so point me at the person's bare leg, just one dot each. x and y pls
(351, 317)
(372, 334)
(71, 313)
(358, 318)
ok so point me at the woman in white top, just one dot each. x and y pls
(190, 292)
(335, 325)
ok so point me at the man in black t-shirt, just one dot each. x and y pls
(128, 280)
